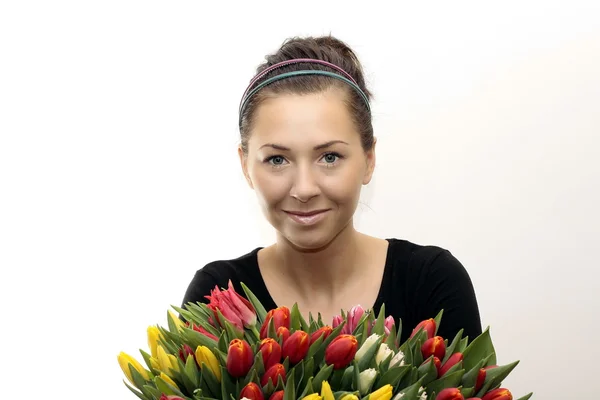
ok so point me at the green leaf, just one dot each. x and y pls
(348, 377)
(212, 383)
(398, 333)
(428, 371)
(195, 339)
(321, 376)
(261, 313)
(467, 392)
(227, 384)
(412, 391)
(391, 339)
(138, 394)
(191, 373)
(495, 376)
(451, 349)
(526, 397)
(438, 321)
(478, 349)
(380, 322)
(463, 344)
(295, 318)
(392, 376)
(308, 388)
(137, 378)
(312, 350)
(166, 387)
(309, 367)
(289, 392)
(447, 381)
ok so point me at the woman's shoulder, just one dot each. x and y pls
(231, 266)
(418, 258)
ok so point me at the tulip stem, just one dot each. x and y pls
(255, 332)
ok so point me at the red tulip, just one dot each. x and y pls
(278, 395)
(341, 351)
(480, 379)
(498, 394)
(449, 394)
(283, 333)
(273, 375)
(252, 391)
(437, 363)
(203, 331)
(236, 309)
(186, 351)
(451, 362)
(271, 352)
(239, 358)
(352, 319)
(296, 347)
(428, 325)
(474, 398)
(434, 347)
(337, 320)
(324, 331)
(280, 317)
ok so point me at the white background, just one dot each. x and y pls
(119, 176)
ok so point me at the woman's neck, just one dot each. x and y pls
(321, 273)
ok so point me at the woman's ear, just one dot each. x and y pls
(370, 160)
(244, 165)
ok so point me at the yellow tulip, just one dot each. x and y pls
(314, 396)
(124, 361)
(326, 392)
(204, 355)
(153, 336)
(179, 323)
(349, 397)
(383, 393)
(166, 362)
(154, 363)
(167, 379)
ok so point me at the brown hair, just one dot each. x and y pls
(326, 48)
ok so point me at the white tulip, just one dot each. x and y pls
(383, 353)
(370, 342)
(398, 359)
(366, 379)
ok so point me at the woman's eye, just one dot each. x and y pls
(276, 160)
(331, 158)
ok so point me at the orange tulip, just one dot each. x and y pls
(428, 325)
(283, 333)
(341, 351)
(280, 317)
(239, 358)
(271, 352)
(296, 347)
(323, 331)
(278, 395)
(498, 394)
(252, 391)
(273, 375)
(449, 394)
(434, 347)
(451, 362)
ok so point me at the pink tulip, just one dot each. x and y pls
(389, 323)
(352, 320)
(236, 309)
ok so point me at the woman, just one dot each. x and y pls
(307, 147)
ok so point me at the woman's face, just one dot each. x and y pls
(306, 163)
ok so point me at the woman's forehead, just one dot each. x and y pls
(304, 119)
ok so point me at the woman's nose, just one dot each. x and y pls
(305, 185)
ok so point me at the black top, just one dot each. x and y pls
(418, 281)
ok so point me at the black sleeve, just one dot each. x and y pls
(449, 287)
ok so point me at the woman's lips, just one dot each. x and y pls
(307, 218)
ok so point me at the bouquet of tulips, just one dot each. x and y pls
(233, 349)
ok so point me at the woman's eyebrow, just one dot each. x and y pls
(318, 147)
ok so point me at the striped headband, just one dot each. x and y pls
(343, 76)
